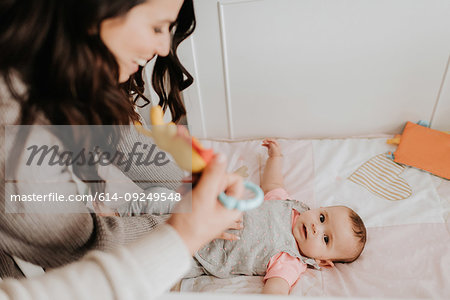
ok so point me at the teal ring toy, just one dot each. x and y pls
(244, 205)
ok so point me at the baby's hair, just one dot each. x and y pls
(360, 232)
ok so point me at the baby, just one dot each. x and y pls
(282, 237)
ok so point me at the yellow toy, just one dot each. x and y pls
(187, 151)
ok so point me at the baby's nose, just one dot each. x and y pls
(316, 228)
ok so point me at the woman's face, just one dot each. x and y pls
(142, 33)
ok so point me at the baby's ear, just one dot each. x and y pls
(325, 263)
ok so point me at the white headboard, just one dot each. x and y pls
(317, 68)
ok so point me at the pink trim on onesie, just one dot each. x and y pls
(282, 264)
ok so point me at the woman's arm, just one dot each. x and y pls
(52, 234)
(149, 266)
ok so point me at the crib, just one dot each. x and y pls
(332, 80)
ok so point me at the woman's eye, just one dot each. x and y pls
(322, 218)
(326, 239)
(157, 29)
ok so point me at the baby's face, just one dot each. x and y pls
(326, 234)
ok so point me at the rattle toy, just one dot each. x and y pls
(190, 155)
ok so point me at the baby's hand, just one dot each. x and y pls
(273, 149)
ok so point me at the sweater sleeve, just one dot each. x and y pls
(53, 234)
(142, 270)
(58, 239)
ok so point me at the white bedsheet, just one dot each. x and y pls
(408, 249)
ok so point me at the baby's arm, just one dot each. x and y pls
(272, 177)
(276, 285)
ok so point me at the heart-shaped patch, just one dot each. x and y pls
(242, 171)
(381, 176)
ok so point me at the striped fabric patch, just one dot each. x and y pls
(380, 176)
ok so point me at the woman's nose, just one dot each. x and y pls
(164, 45)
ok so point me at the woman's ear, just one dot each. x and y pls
(325, 263)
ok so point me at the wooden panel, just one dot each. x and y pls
(202, 55)
(316, 68)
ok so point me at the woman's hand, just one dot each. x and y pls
(207, 217)
(237, 225)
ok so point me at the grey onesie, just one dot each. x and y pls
(267, 231)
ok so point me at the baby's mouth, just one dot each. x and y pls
(305, 231)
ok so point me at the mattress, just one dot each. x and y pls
(405, 210)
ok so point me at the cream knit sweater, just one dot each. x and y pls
(139, 257)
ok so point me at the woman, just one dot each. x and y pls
(69, 63)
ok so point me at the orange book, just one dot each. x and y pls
(424, 148)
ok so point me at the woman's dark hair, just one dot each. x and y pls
(54, 48)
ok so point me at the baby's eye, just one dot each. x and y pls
(322, 218)
(325, 239)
